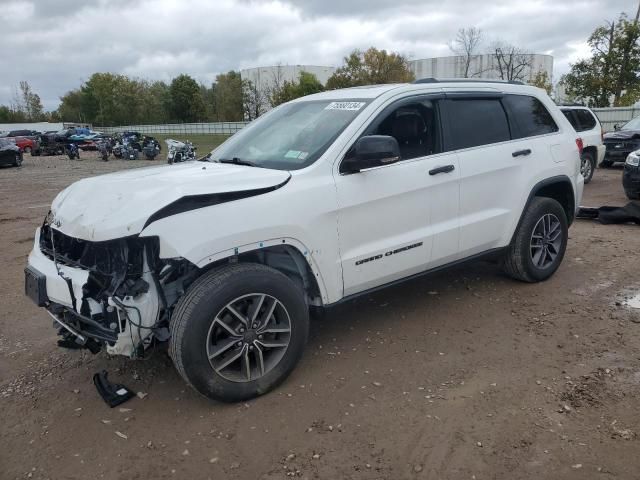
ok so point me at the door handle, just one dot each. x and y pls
(521, 153)
(445, 169)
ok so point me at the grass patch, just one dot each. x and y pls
(204, 142)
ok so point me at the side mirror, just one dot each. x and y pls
(617, 127)
(369, 152)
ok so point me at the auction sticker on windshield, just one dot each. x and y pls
(351, 106)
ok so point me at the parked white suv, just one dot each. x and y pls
(586, 123)
(320, 200)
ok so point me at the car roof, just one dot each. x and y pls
(574, 107)
(375, 91)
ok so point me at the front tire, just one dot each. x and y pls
(587, 165)
(239, 331)
(539, 243)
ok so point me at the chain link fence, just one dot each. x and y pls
(214, 128)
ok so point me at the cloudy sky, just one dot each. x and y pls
(56, 44)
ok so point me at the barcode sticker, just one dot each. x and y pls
(350, 106)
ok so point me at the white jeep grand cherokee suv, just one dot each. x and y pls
(586, 123)
(321, 199)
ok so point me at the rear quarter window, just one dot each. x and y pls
(529, 116)
(586, 121)
(571, 118)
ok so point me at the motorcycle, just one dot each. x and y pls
(103, 150)
(131, 153)
(180, 151)
(73, 151)
(118, 150)
(151, 148)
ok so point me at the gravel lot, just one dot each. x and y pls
(462, 375)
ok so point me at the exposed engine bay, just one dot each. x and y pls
(121, 293)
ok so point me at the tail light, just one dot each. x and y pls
(580, 145)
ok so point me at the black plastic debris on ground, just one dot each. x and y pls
(113, 394)
(606, 215)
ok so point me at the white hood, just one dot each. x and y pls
(118, 204)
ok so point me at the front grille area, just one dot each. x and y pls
(613, 145)
(107, 258)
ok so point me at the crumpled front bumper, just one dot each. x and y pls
(118, 333)
(56, 287)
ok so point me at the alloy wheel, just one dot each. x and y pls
(546, 241)
(248, 337)
(585, 167)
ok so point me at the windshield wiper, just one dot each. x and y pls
(237, 161)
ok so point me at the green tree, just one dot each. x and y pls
(611, 75)
(307, 84)
(228, 97)
(370, 68)
(541, 80)
(70, 108)
(254, 101)
(155, 102)
(110, 99)
(11, 115)
(29, 103)
(209, 99)
(186, 104)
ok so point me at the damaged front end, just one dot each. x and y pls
(115, 293)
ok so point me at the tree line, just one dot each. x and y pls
(609, 77)
(109, 99)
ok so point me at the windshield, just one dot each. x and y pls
(633, 124)
(290, 137)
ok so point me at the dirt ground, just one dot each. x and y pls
(461, 375)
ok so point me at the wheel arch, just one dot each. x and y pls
(593, 150)
(560, 189)
(285, 255)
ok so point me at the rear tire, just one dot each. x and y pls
(27, 149)
(539, 243)
(587, 166)
(207, 333)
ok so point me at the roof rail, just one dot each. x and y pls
(466, 80)
(569, 104)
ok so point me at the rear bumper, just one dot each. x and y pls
(602, 150)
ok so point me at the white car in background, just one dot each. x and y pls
(320, 200)
(587, 125)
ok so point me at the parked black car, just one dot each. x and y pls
(9, 153)
(622, 142)
(631, 176)
(22, 133)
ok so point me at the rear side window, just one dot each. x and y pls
(585, 120)
(572, 119)
(474, 122)
(529, 116)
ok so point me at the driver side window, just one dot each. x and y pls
(414, 124)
